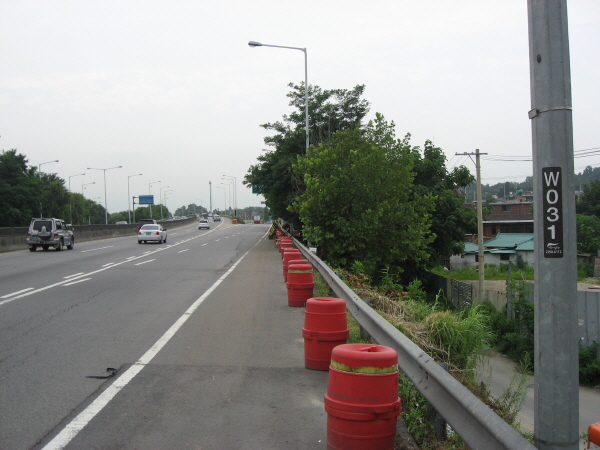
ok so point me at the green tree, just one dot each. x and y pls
(449, 220)
(358, 203)
(329, 111)
(589, 200)
(18, 189)
(588, 233)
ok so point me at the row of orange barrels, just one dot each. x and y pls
(361, 401)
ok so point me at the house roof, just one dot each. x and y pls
(510, 241)
(470, 247)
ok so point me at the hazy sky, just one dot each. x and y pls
(171, 89)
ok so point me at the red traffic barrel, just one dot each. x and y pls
(280, 239)
(290, 254)
(325, 327)
(362, 402)
(300, 283)
(286, 243)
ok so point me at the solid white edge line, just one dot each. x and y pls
(144, 262)
(62, 439)
(74, 275)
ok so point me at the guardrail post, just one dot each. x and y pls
(439, 424)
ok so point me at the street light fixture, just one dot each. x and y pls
(224, 197)
(160, 198)
(40, 167)
(234, 194)
(40, 177)
(258, 44)
(83, 187)
(165, 197)
(105, 204)
(228, 184)
(70, 207)
(128, 196)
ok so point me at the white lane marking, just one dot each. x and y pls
(78, 281)
(144, 262)
(204, 244)
(109, 264)
(94, 249)
(181, 251)
(217, 240)
(17, 293)
(29, 292)
(67, 434)
(74, 275)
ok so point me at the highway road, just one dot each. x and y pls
(188, 326)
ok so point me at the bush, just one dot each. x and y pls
(589, 365)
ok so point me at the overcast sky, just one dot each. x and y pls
(171, 89)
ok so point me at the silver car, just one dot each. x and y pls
(203, 224)
(152, 233)
(49, 232)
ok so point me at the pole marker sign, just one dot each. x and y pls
(553, 212)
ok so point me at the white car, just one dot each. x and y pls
(152, 232)
(203, 224)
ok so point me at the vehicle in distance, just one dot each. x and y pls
(152, 233)
(203, 224)
(256, 219)
(217, 218)
(46, 233)
(146, 221)
(121, 222)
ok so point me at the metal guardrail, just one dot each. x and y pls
(476, 424)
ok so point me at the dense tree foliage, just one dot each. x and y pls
(449, 220)
(589, 200)
(358, 203)
(18, 190)
(588, 234)
(329, 111)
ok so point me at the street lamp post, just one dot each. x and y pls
(150, 193)
(224, 197)
(128, 196)
(228, 184)
(165, 197)
(40, 177)
(105, 204)
(70, 207)
(160, 199)
(258, 44)
(234, 194)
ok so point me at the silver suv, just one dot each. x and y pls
(48, 233)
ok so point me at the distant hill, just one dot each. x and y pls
(499, 189)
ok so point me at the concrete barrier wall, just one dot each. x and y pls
(13, 239)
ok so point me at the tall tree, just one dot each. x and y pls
(589, 200)
(329, 111)
(358, 203)
(19, 199)
(449, 220)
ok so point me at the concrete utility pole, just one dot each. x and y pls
(481, 282)
(556, 401)
(210, 195)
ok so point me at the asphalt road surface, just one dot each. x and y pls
(207, 353)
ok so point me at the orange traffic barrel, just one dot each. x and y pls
(290, 254)
(362, 402)
(300, 283)
(325, 327)
(286, 267)
(594, 434)
(286, 243)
